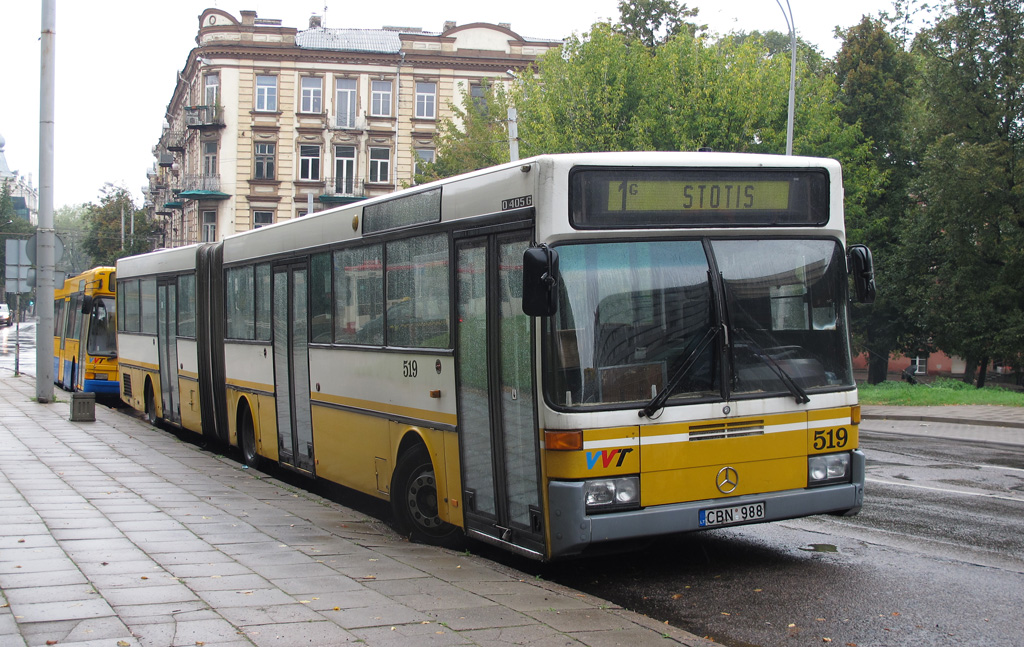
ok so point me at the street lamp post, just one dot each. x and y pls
(792, 72)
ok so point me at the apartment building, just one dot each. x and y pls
(267, 122)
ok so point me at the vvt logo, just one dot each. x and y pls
(606, 457)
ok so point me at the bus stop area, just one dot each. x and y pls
(115, 533)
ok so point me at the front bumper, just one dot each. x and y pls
(572, 530)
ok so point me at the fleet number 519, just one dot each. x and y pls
(831, 438)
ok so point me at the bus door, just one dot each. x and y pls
(167, 347)
(291, 366)
(498, 432)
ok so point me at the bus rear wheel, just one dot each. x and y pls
(414, 500)
(150, 404)
(247, 438)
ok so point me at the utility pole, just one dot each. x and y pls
(45, 235)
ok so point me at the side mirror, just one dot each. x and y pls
(86, 304)
(540, 281)
(862, 270)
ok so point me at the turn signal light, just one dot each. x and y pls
(563, 440)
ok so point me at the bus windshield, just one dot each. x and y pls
(635, 317)
(103, 328)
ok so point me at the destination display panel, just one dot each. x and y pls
(603, 198)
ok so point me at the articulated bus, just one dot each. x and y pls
(84, 333)
(553, 355)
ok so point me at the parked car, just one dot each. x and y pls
(5, 315)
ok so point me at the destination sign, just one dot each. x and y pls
(671, 195)
(637, 197)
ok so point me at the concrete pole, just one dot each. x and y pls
(513, 135)
(45, 235)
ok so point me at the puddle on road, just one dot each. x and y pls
(820, 548)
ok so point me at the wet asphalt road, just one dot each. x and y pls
(935, 558)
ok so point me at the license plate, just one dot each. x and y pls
(733, 514)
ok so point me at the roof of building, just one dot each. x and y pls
(378, 41)
(5, 171)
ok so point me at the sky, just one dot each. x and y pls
(117, 60)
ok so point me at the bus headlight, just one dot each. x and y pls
(825, 469)
(607, 495)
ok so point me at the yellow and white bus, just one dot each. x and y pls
(84, 333)
(547, 355)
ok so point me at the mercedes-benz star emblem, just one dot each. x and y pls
(727, 480)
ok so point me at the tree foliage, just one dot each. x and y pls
(475, 137)
(653, 22)
(970, 236)
(876, 79)
(103, 238)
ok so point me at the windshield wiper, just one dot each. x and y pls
(659, 400)
(798, 393)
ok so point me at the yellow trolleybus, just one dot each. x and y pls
(548, 355)
(84, 333)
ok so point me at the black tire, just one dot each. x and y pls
(150, 404)
(247, 438)
(414, 500)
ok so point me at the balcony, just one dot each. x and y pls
(204, 117)
(202, 187)
(342, 191)
(174, 139)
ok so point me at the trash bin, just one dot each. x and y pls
(83, 407)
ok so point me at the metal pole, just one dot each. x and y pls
(45, 235)
(792, 73)
(17, 334)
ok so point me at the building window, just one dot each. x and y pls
(209, 226)
(380, 98)
(312, 95)
(478, 96)
(309, 162)
(212, 85)
(380, 165)
(209, 159)
(344, 169)
(346, 103)
(422, 156)
(262, 219)
(266, 93)
(919, 365)
(265, 161)
(426, 100)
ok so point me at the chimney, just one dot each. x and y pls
(448, 25)
(315, 21)
(248, 17)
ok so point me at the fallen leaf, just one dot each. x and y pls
(122, 643)
(826, 640)
(726, 614)
(51, 642)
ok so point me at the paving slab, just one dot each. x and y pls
(119, 533)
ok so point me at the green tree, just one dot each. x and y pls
(476, 136)
(876, 80)
(653, 22)
(972, 227)
(103, 239)
(69, 222)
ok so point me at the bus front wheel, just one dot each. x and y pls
(414, 500)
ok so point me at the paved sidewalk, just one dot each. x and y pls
(979, 415)
(116, 534)
(987, 424)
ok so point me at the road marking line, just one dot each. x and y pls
(938, 489)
